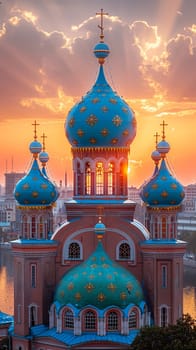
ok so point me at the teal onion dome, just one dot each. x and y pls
(35, 189)
(163, 147)
(99, 282)
(99, 229)
(43, 157)
(35, 147)
(101, 118)
(162, 189)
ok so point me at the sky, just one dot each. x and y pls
(47, 64)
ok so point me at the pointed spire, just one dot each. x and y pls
(101, 14)
(35, 146)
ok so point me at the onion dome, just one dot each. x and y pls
(101, 118)
(99, 282)
(162, 189)
(35, 189)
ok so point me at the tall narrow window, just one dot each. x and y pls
(33, 227)
(111, 185)
(25, 226)
(112, 321)
(99, 178)
(69, 319)
(41, 227)
(79, 180)
(123, 179)
(87, 179)
(33, 275)
(156, 228)
(164, 232)
(124, 251)
(164, 276)
(74, 251)
(164, 317)
(133, 319)
(90, 320)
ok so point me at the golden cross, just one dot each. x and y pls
(44, 137)
(163, 125)
(156, 135)
(35, 131)
(101, 26)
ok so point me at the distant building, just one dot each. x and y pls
(10, 182)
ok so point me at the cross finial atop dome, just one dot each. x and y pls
(35, 130)
(44, 137)
(101, 14)
(163, 131)
(156, 135)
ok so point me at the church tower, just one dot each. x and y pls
(34, 252)
(163, 252)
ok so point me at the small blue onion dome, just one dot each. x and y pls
(156, 156)
(35, 189)
(163, 147)
(43, 157)
(101, 118)
(99, 229)
(99, 282)
(162, 189)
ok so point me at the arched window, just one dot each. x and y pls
(32, 316)
(124, 251)
(99, 178)
(90, 321)
(87, 178)
(133, 319)
(111, 184)
(74, 251)
(123, 179)
(25, 226)
(164, 316)
(112, 321)
(68, 319)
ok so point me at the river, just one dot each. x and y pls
(7, 293)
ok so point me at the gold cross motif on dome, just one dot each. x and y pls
(164, 178)
(83, 109)
(164, 194)
(105, 266)
(70, 286)
(91, 120)
(93, 140)
(34, 194)
(89, 287)
(146, 194)
(25, 186)
(124, 109)
(62, 293)
(113, 101)
(154, 186)
(101, 297)
(71, 122)
(123, 296)
(163, 131)
(95, 100)
(104, 132)
(91, 277)
(35, 130)
(80, 132)
(44, 186)
(125, 132)
(156, 135)
(129, 286)
(112, 287)
(104, 109)
(117, 120)
(114, 141)
(174, 186)
(77, 296)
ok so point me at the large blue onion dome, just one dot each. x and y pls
(99, 282)
(35, 189)
(162, 189)
(101, 118)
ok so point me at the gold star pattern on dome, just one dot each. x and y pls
(89, 287)
(78, 296)
(123, 296)
(95, 100)
(91, 277)
(125, 132)
(113, 101)
(104, 109)
(146, 194)
(80, 132)
(154, 186)
(105, 266)
(112, 287)
(174, 186)
(117, 121)
(102, 258)
(44, 186)
(125, 110)
(164, 194)
(70, 286)
(34, 194)
(83, 109)
(84, 273)
(114, 141)
(134, 121)
(91, 120)
(129, 286)
(93, 140)
(93, 266)
(35, 178)
(104, 132)
(164, 178)
(25, 186)
(71, 122)
(101, 297)
(109, 277)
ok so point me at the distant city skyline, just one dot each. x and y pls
(47, 64)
